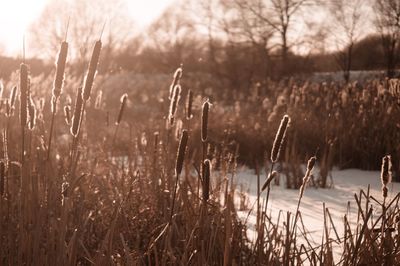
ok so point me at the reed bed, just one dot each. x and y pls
(143, 197)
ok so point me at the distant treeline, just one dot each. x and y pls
(237, 66)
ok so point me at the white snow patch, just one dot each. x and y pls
(346, 184)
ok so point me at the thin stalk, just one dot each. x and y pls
(51, 129)
(173, 198)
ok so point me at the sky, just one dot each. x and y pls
(17, 15)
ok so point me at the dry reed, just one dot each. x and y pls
(60, 69)
(76, 119)
(386, 174)
(92, 70)
(204, 121)
(175, 81)
(279, 139)
(123, 100)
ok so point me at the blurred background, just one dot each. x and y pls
(239, 42)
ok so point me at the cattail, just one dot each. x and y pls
(94, 60)
(268, 181)
(108, 118)
(178, 167)
(53, 104)
(279, 138)
(175, 81)
(60, 69)
(12, 96)
(181, 152)
(8, 108)
(156, 135)
(76, 120)
(2, 177)
(1, 89)
(121, 109)
(189, 102)
(67, 114)
(41, 104)
(204, 121)
(206, 179)
(174, 103)
(32, 114)
(306, 178)
(24, 92)
(97, 103)
(386, 174)
(178, 129)
(68, 100)
(311, 163)
(143, 139)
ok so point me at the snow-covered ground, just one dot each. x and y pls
(346, 184)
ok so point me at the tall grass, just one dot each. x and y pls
(142, 203)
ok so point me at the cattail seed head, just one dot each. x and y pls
(174, 103)
(206, 179)
(189, 102)
(76, 120)
(1, 89)
(41, 104)
(181, 152)
(32, 114)
(306, 178)
(60, 69)
(67, 114)
(2, 177)
(175, 81)
(386, 174)
(311, 163)
(53, 104)
(385, 191)
(268, 181)
(123, 100)
(108, 118)
(8, 108)
(94, 60)
(12, 96)
(97, 104)
(24, 93)
(156, 135)
(204, 121)
(178, 129)
(279, 138)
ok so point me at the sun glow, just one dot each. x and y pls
(17, 15)
(15, 18)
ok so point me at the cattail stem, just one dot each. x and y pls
(24, 93)
(310, 167)
(114, 136)
(173, 197)
(53, 115)
(57, 88)
(271, 175)
(123, 100)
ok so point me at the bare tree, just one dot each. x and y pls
(388, 25)
(173, 36)
(86, 20)
(279, 14)
(252, 29)
(347, 18)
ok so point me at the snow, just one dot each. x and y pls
(346, 183)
